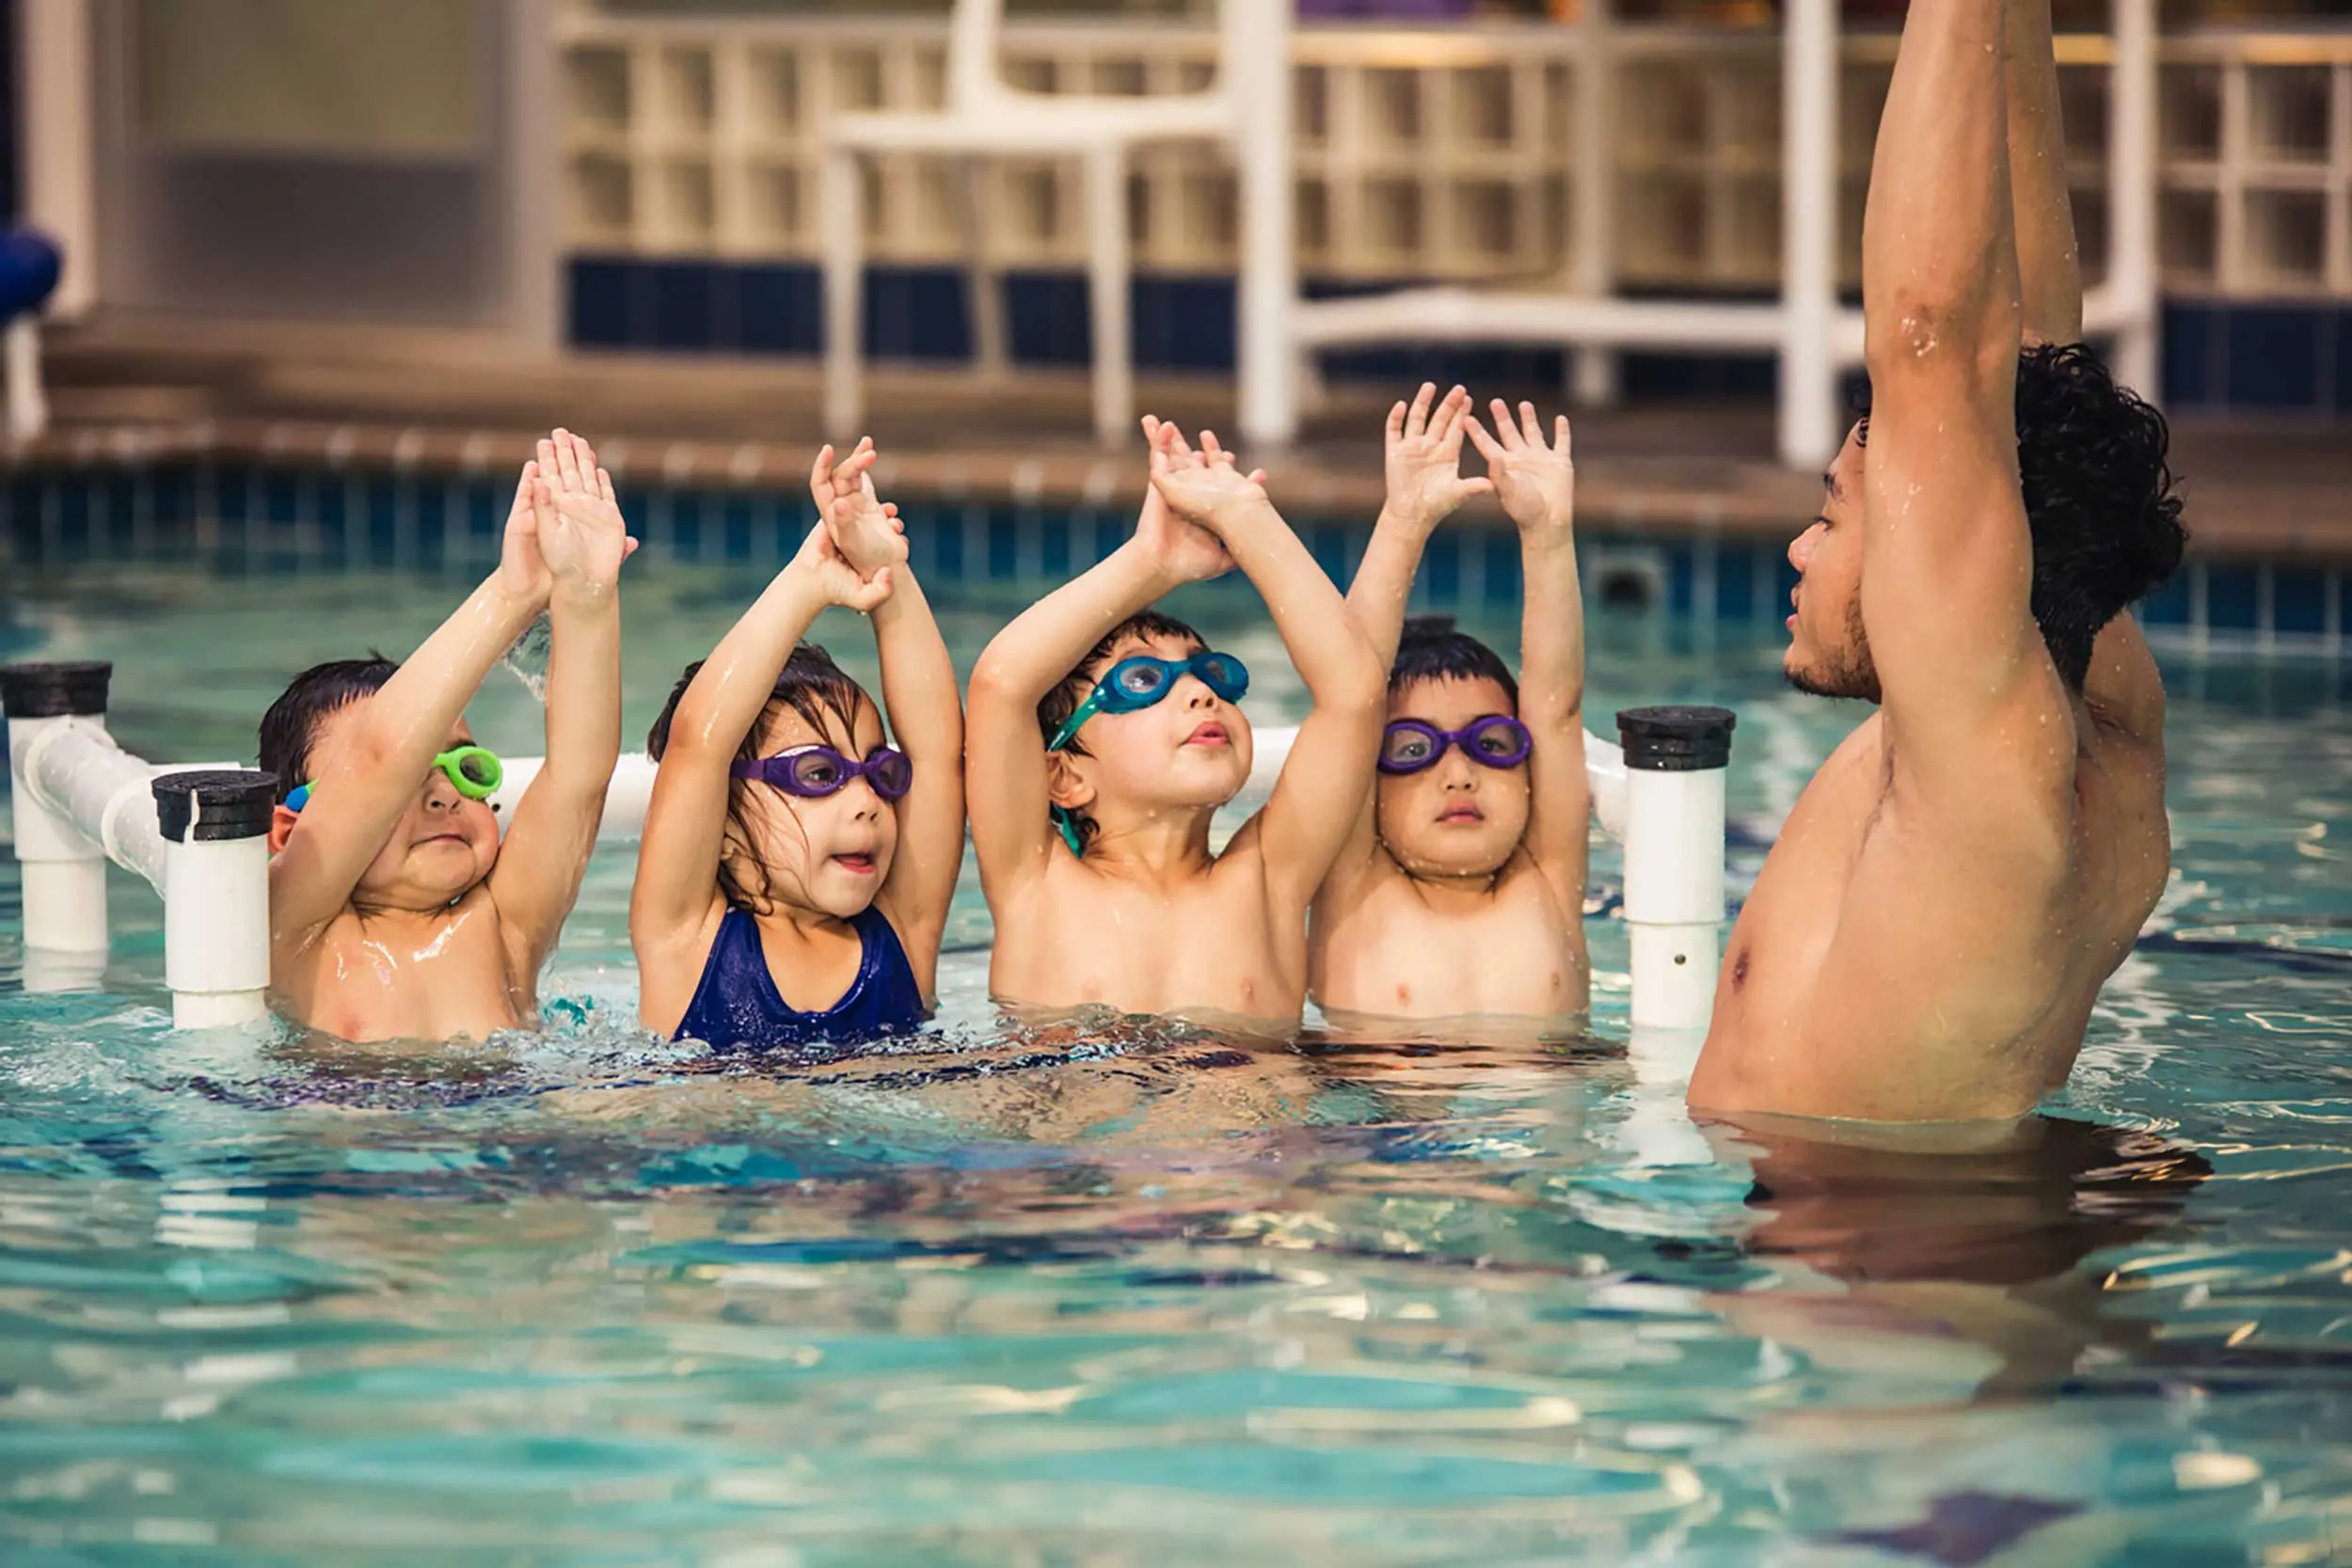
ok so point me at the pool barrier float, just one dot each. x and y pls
(199, 835)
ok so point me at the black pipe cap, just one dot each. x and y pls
(1675, 739)
(202, 807)
(73, 688)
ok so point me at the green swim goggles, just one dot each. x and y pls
(1134, 683)
(474, 771)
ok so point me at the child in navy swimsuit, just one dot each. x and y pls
(796, 868)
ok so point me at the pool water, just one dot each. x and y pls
(1144, 1297)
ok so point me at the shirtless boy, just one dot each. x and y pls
(1931, 932)
(1461, 888)
(1094, 852)
(395, 913)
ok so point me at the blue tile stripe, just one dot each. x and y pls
(241, 517)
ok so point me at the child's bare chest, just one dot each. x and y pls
(1207, 946)
(378, 979)
(1513, 954)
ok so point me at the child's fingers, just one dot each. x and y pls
(604, 487)
(1506, 430)
(1395, 429)
(1560, 436)
(587, 457)
(1478, 484)
(1530, 426)
(1486, 446)
(820, 473)
(628, 546)
(1257, 476)
(522, 492)
(566, 470)
(1417, 421)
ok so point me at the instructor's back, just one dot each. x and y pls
(1930, 934)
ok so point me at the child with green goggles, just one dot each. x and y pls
(475, 771)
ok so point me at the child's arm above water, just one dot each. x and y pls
(1324, 782)
(1425, 486)
(675, 896)
(582, 540)
(918, 689)
(1006, 770)
(1536, 484)
(364, 785)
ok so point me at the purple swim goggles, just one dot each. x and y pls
(1492, 740)
(814, 771)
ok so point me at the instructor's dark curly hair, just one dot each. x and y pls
(2100, 498)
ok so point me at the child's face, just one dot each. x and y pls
(1190, 749)
(1455, 818)
(828, 852)
(443, 845)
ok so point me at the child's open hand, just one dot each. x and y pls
(581, 538)
(1184, 550)
(1204, 488)
(827, 572)
(522, 571)
(1536, 484)
(865, 531)
(1424, 458)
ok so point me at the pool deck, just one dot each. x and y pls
(439, 400)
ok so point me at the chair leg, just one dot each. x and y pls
(840, 226)
(985, 290)
(1106, 289)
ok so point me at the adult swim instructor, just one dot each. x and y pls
(1931, 931)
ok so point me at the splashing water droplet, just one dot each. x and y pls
(527, 660)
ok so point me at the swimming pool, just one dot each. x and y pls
(1144, 1297)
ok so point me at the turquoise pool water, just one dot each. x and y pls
(1086, 1299)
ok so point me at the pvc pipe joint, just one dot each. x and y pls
(1675, 760)
(64, 868)
(215, 825)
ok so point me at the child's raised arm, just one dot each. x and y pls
(365, 785)
(918, 686)
(678, 861)
(1425, 486)
(1005, 764)
(1536, 484)
(1324, 782)
(583, 541)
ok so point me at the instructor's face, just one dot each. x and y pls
(1829, 651)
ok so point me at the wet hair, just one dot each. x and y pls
(293, 721)
(811, 685)
(1056, 705)
(2100, 498)
(1432, 649)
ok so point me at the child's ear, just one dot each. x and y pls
(281, 822)
(1064, 785)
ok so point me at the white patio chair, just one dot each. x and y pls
(984, 118)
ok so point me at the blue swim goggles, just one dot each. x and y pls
(1138, 683)
(1143, 681)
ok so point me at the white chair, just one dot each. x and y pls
(984, 117)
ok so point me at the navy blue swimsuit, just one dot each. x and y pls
(738, 1008)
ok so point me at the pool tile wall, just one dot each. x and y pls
(259, 518)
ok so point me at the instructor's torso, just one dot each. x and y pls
(1882, 971)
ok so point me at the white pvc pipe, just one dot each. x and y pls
(215, 824)
(1674, 894)
(64, 870)
(625, 798)
(27, 403)
(2132, 193)
(1808, 434)
(1256, 67)
(77, 773)
(216, 933)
